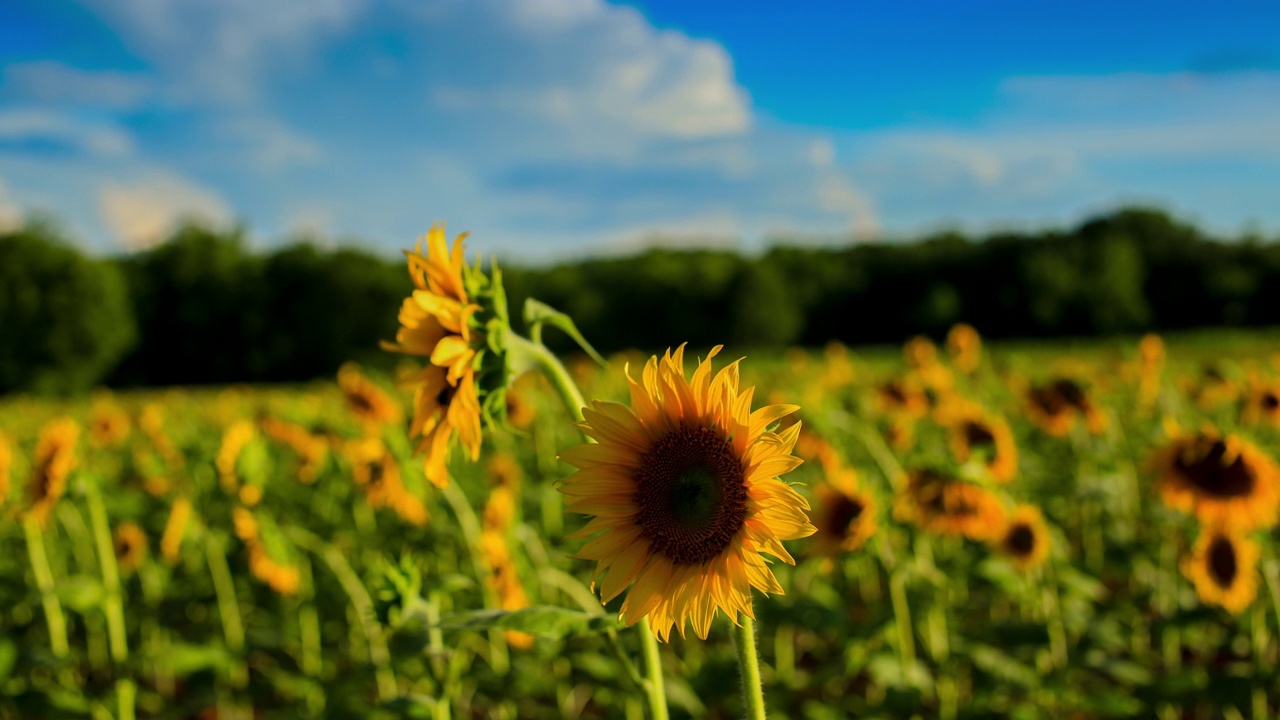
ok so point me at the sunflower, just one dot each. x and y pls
(312, 450)
(1057, 405)
(175, 529)
(520, 410)
(234, 439)
(503, 581)
(939, 503)
(131, 547)
(964, 345)
(376, 471)
(1151, 352)
(1024, 538)
(1262, 404)
(902, 395)
(1219, 478)
(442, 321)
(6, 461)
(919, 352)
(845, 515)
(975, 432)
(368, 402)
(1223, 566)
(109, 425)
(54, 460)
(685, 492)
(441, 411)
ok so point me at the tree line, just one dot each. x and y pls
(204, 308)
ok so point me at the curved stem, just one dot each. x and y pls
(543, 359)
(744, 641)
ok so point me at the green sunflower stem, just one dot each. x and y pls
(113, 603)
(53, 616)
(744, 641)
(654, 685)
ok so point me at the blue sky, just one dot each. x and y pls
(562, 127)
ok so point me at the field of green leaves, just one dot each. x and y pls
(1010, 531)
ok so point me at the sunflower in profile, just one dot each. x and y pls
(1024, 538)
(175, 529)
(368, 402)
(447, 320)
(1059, 404)
(686, 497)
(964, 345)
(845, 514)
(1221, 479)
(55, 457)
(944, 505)
(975, 433)
(131, 547)
(1223, 566)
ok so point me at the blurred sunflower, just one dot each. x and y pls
(234, 439)
(1262, 404)
(108, 426)
(55, 457)
(686, 497)
(175, 529)
(964, 345)
(941, 504)
(369, 403)
(1056, 406)
(376, 471)
(902, 395)
(919, 352)
(974, 432)
(1025, 538)
(845, 515)
(6, 463)
(441, 412)
(1219, 479)
(131, 547)
(1223, 566)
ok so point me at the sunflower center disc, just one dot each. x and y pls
(1021, 541)
(691, 495)
(1222, 562)
(1214, 477)
(845, 512)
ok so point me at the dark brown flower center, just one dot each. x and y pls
(1270, 402)
(843, 512)
(1021, 540)
(1212, 476)
(1223, 565)
(691, 495)
(977, 434)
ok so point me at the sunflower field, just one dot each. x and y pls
(942, 531)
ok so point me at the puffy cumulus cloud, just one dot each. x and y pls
(144, 213)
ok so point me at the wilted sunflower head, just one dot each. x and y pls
(1223, 566)
(55, 458)
(456, 318)
(369, 403)
(131, 547)
(684, 490)
(964, 344)
(1221, 479)
(1025, 538)
(940, 503)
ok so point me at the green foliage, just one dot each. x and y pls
(64, 319)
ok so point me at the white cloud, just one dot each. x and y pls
(269, 145)
(56, 82)
(144, 213)
(31, 124)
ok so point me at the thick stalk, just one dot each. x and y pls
(113, 603)
(224, 588)
(654, 684)
(744, 641)
(53, 616)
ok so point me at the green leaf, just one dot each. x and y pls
(536, 313)
(543, 620)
